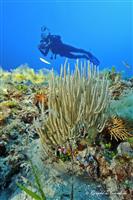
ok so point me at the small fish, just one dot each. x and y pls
(45, 61)
(126, 64)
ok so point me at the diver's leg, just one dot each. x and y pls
(87, 54)
(84, 54)
(94, 60)
(73, 56)
(76, 50)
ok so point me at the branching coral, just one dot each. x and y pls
(25, 73)
(117, 129)
(75, 100)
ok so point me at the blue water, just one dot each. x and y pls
(104, 28)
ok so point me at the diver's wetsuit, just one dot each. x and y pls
(54, 44)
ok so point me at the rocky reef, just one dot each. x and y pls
(76, 128)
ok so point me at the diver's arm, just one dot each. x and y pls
(43, 49)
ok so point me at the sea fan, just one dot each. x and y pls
(74, 100)
(117, 128)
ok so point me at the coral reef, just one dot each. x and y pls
(89, 141)
(118, 129)
(25, 73)
(22, 74)
(75, 102)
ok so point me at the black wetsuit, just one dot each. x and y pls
(54, 44)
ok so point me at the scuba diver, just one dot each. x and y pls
(52, 43)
